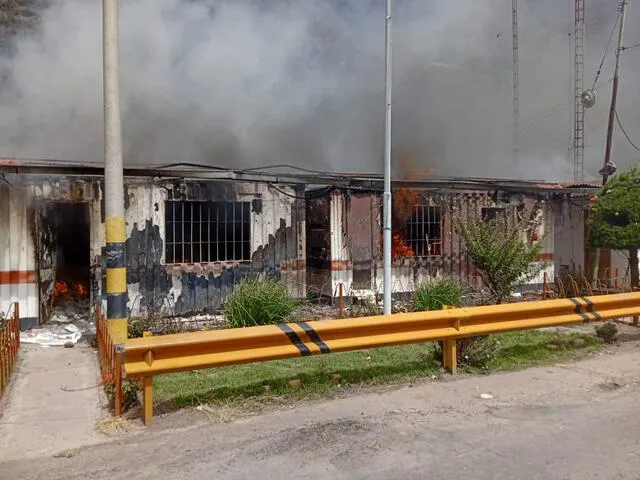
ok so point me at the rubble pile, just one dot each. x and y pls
(70, 319)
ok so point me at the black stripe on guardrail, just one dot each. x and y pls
(590, 308)
(295, 339)
(578, 309)
(314, 337)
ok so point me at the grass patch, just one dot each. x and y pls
(529, 348)
(321, 375)
(318, 375)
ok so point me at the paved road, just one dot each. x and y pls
(578, 421)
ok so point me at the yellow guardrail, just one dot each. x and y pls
(149, 356)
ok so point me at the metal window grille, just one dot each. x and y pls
(423, 231)
(198, 232)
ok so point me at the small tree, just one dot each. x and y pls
(504, 253)
(614, 221)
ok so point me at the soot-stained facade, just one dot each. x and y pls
(344, 232)
(190, 237)
(189, 243)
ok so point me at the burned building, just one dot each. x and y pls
(195, 232)
(344, 231)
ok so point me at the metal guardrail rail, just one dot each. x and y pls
(9, 344)
(150, 356)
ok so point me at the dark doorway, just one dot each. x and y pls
(64, 259)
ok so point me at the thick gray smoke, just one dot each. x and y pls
(255, 83)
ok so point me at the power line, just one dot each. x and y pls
(606, 50)
(625, 132)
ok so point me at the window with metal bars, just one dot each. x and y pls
(199, 232)
(423, 231)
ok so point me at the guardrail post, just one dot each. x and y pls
(147, 399)
(450, 355)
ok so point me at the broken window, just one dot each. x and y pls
(423, 231)
(198, 231)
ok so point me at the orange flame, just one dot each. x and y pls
(60, 288)
(79, 290)
(404, 201)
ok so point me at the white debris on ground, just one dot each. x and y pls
(68, 324)
(69, 335)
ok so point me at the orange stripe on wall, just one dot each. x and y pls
(544, 257)
(16, 277)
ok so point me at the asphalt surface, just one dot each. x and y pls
(574, 421)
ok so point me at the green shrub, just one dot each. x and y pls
(607, 332)
(504, 253)
(477, 352)
(434, 294)
(255, 302)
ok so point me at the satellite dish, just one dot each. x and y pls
(588, 98)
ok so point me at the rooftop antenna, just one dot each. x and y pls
(579, 106)
(516, 98)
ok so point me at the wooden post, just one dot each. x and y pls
(341, 300)
(147, 400)
(544, 286)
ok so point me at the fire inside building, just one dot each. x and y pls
(194, 232)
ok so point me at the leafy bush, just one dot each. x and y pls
(435, 294)
(502, 253)
(477, 352)
(614, 219)
(255, 302)
(607, 332)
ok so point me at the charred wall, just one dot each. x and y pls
(425, 241)
(159, 283)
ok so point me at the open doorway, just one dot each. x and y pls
(64, 261)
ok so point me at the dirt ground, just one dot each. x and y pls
(573, 421)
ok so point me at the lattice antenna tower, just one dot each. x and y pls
(516, 94)
(578, 110)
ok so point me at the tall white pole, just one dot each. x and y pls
(113, 177)
(386, 298)
(516, 81)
